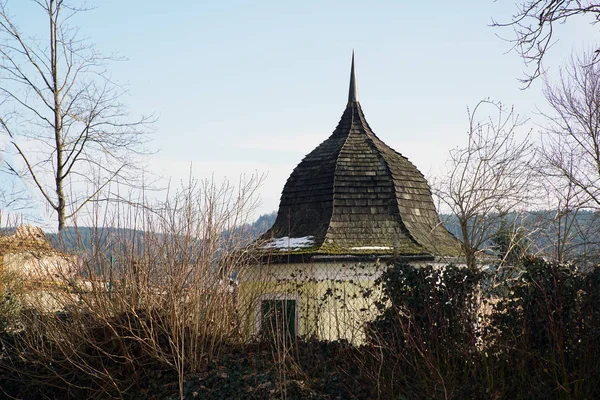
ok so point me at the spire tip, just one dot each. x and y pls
(353, 90)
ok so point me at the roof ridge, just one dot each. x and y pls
(337, 159)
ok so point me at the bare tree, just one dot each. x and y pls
(62, 113)
(488, 178)
(565, 232)
(534, 25)
(571, 142)
(570, 159)
(562, 225)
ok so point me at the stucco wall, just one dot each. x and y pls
(36, 267)
(334, 300)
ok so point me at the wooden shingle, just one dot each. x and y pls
(354, 193)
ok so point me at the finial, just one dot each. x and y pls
(353, 92)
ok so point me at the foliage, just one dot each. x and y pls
(311, 370)
(446, 333)
(66, 370)
(144, 301)
(10, 309)
(427, 328)
(442, 333)
(308, 370)
(547, 327)
(557, 234)
(10, 302)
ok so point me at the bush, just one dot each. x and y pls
(10, 303)
(147, 301)
(537, 338)
(427, 331)
(545, 332)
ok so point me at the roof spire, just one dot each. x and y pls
(353, 91)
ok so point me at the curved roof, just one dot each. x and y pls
(354, 195)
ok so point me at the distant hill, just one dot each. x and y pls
(577, 234)
(89, 239)
(580, 233)
(252, 231)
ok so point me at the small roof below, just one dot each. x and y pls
(25, 238)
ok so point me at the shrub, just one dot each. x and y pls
(10, 302)
(427, 330)
(545, 332)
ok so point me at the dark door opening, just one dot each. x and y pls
(278, 318)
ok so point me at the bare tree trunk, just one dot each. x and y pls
(60, 206)
(466, 244)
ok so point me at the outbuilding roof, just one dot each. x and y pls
(355, 195)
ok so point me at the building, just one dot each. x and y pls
(351, 204)
(42, 273)
(28, 254)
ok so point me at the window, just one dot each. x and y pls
(277, 316)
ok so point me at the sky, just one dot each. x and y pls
(241, 87)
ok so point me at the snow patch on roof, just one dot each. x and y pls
(372, 248)
(288, 243)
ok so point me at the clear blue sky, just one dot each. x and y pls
(241, 86)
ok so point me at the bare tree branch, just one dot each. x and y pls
(534, 24)
(488, 178)
(571, 141)
(56, 92)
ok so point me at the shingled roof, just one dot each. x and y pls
(354, 195)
